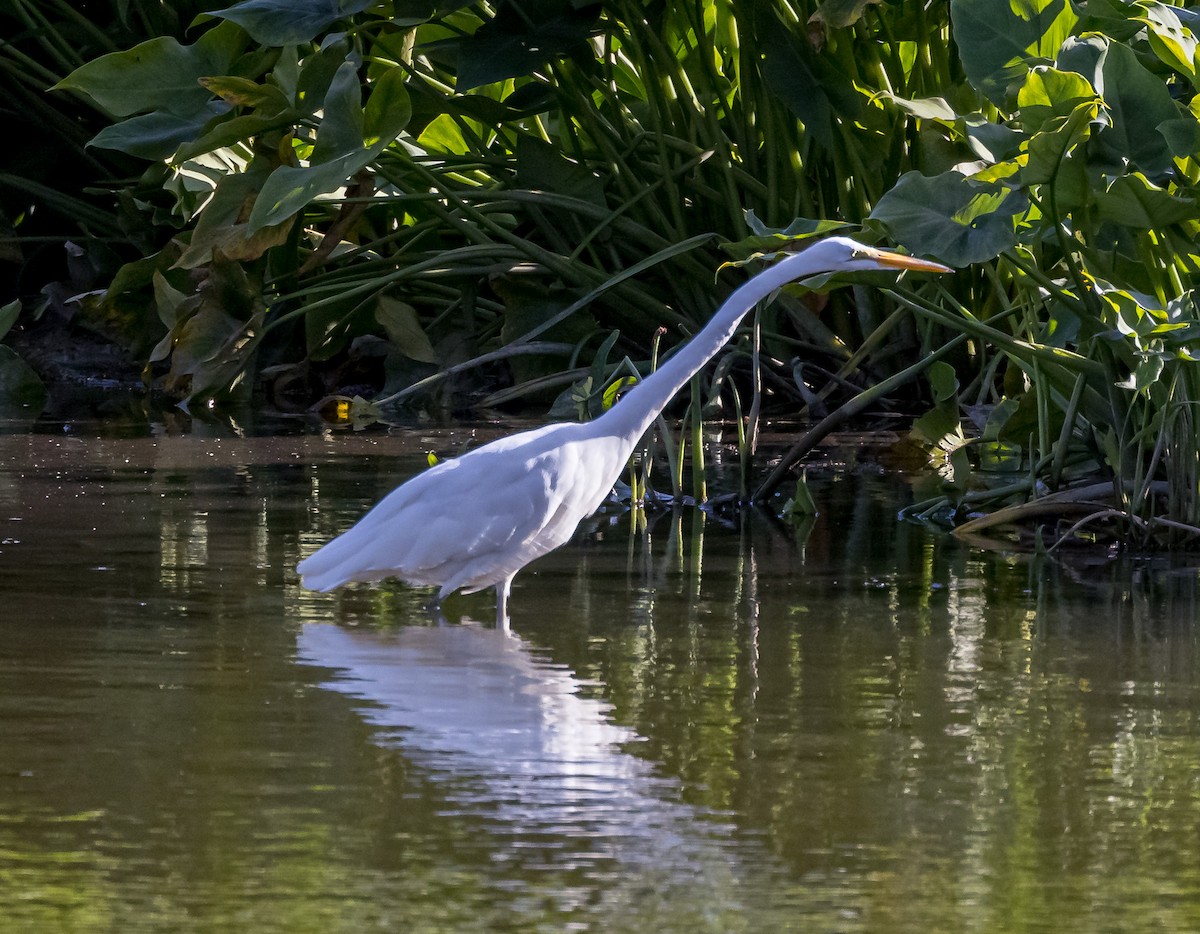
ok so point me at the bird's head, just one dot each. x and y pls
(841, 254)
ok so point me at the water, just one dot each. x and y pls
(705, 726)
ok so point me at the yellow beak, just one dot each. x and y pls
(897, 261)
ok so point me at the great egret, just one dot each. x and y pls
(475, 521)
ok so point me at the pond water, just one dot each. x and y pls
(698, 726)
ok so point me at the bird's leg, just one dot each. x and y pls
(434, 609)
(502, 589)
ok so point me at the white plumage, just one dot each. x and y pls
(475, 521)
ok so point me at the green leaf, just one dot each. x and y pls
(1145, 374)
(1133, 200)
(158, 75)
(999, 417)
(289, 22)
(222, 229)
(290, 188)
(998, 41)
(242, 92)
(809, 86)
(1048, 149)
(943, 381)
(940, 427)
(994, 142)
(521, 38)
(1174, 45)
(1052, 95)
(443, 135)
(154, 136)
(8, 316)
(614, 389)
(924, 108)
(956, 219)
(837, 14)
(801, 505)
(1139, 104)
(399, 321)
(21, 389)
(543, 167)
(341, 130)
(770, 241)
(232, 131)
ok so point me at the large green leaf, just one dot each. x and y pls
(1048, 150)
(155, 135)
(1174, 44)
(341, 129)
(158, 75)
(998, 41)
(522, 37)
(289, 22)
(234, 130)
(956, 219)
(222, 229)
(1049, 95)
(21, 390)
(8, 316)
(399, 320)
(1139, 103)
(290, 188)
(812, 89)
(1133, 200)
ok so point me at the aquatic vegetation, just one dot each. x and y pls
(487, 204)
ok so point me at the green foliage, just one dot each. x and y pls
(21, 390)
(1088, 145)
(506, 201)
(432, 154)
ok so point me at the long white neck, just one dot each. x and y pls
(633, 415)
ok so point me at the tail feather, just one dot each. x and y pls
(337, 562)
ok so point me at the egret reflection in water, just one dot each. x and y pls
(513, 740)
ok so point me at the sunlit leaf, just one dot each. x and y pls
(242, 92)
(1174, 44)
(1048, 93)
(768, 242)
(1134, 201)
(925, 108)
(999, 41)
(614, 389)
(1048, 149)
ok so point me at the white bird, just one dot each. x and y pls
(475, 521)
